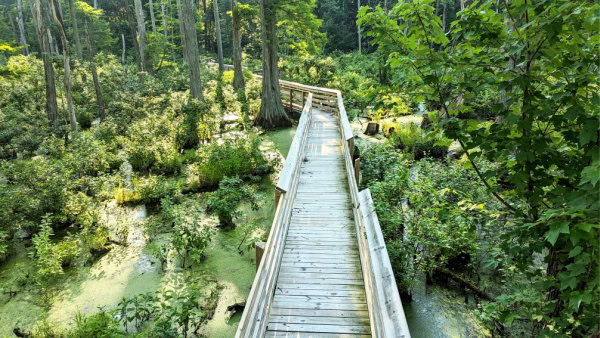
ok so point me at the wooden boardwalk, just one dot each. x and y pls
(320, 288)
(325, 270)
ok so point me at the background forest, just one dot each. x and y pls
(131, 160)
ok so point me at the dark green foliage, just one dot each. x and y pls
(101, 325)
(223, 202)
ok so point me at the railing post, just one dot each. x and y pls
(291, 101)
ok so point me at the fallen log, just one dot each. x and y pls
(464, 283)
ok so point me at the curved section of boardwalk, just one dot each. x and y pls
(320, 288)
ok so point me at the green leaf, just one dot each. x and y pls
(576, 251)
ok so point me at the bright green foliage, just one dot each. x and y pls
(233, 157)
(223, 202)
(540, 57)
(191, 236)
(50, 258)
(412, 139)
(299, 27)
(101, 325)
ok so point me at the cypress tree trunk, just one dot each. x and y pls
(58, 22)
(359, 37)
(271, 114)
(38, 21)
(191, 48)
(21, 23)
(238, 74)
(123, 53)
(152, 17)
(164, 20)
(142, 37)
(99, 99)
(75, 30)
(131, 25)
(182, 30)
(218, 35)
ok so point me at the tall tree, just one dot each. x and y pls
(165, 21)
(58, 22)
(142, 37)
(359, 37)
(238, 74)
(218, 35)
(151, 4)
(191, 48)
(181, 29)
(40, 29)
(21, 23)
(271, 114)
(99, 99)
(133, 32)
(75, 29)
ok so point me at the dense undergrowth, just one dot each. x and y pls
(153, 147)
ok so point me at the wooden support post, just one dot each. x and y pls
(291, 101)
(278, 194)
(303, 98)
(260, 250)
(357, 170)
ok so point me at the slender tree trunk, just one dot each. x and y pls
(191, 48)
(142, 38)
(164, 20)
(123, 53)
(13, 24)
(58, 22)
(238, 74)
(152, 17)
(52, 47)
(75, 30)
(99, 99)
(206, 34)
(462, 5)
(359, 37)
(95, 4)
(218, 35)
(182, 30)
(21, 23)
(444, 17)
(131, 25)
(271, 114)
(38, 21)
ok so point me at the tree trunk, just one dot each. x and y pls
(191, 48)
(462, 5)
(444, 17)
(238, 74)
(152, 17)
(13, 24)
(95, 4)
(359, 37)
(53, 48)
(75, 30)
(271, 114)
(182, 30)
(123, 53)
(164, 20)
(133, 32)
(58, 22)
(206, 35)
(142, 38)
(21, 23)
(38, 21)
(99, 99)
(218, 35)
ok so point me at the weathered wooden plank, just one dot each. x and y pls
(330, 281)
(316, 276)
(329, 293)
(354, 329)
(319, 306)
(295, 334)
(319, 320)
(320, 299)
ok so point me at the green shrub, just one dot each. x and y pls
(49, 258)
(99, 325)
(148, 189)
(85, 118)
(233, 157)
(223, 202)
(410, 138)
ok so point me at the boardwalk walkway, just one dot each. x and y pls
(320, 288)
(325, 271)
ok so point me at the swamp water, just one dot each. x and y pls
(129, 270)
